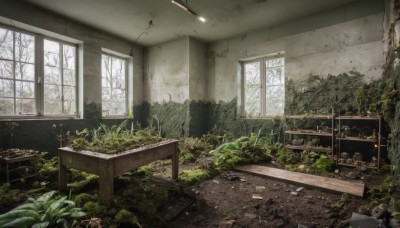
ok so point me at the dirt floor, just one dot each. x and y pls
(230, 199)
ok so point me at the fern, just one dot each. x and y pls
(45, 211)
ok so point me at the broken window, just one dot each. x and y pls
(114, 78)
(263, 91)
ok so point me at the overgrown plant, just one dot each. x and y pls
(239, 151)
(44, 211)
(113, 139)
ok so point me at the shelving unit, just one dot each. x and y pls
(314, 133)
(18, 166)
(375, 140)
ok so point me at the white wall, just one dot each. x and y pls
(198, 79)
(175, 71)
(340, 47)
(166, 72)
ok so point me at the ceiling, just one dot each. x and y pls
(225, 18)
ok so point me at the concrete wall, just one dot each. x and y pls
(345, 39)
(332, 43)
(166, 70)
(37, 134)
(175, 76)
(198, 79)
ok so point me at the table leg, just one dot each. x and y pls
(106, 183)
(175, 163)
(62, 177)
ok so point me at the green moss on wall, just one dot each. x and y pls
(317, 95)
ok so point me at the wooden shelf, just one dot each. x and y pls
(19, 158)
(24, 177)
(327, 117)
(358, 118)
(354, 166)
(358, 139)
(309, 148)
(20, 168)
(309, 132)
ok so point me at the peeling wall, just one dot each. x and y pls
(166, 72)
(37, 134)
(329, 43)
(343, 40)
(175, 76)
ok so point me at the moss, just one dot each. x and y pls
(324, 164)
(82, 198)
(114, 139)
(188, 177)
(81, 180)
(126, 218)
(94, 208)
(9, 197)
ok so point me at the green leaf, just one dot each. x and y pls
(62, 222)
(41, 225)
(20, 222)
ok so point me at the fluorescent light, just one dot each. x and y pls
(202, 19)
(188, 10)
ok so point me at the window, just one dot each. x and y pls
(114, 81)
(263, 90)
(59, 78)
(17, 73)
(24, 90)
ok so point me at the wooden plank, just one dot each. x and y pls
(331, 184)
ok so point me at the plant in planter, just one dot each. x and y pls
(112, 151)
(45, 211)
(114, 139)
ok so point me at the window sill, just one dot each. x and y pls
(30, 118)
(116, 117)
(259, 118)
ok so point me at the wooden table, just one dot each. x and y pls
(108, 166)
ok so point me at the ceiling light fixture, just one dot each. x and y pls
(188, 10)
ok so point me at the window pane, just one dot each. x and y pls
(6, 88)
(274, 87)
(252, 90)
(69, 77)
(25, 106)
(25, 89)
(53, 106)
(275, 100)
(52, 75)
(69, 57)
(24, 48)
(6, 69)
(25, 71)
(6, 106)
(275, 76)
(275, 62)
(113, 86)
(52, 92)
(6, 44)
(69, 93)
(59, 78)
(69, 107)
(51, 53)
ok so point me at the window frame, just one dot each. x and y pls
(61, 43)
(14, 30)
(263, 86)
(126, 74)
(39, 38)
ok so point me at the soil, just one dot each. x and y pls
(228, 200)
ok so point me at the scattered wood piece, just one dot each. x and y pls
(351, 187)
